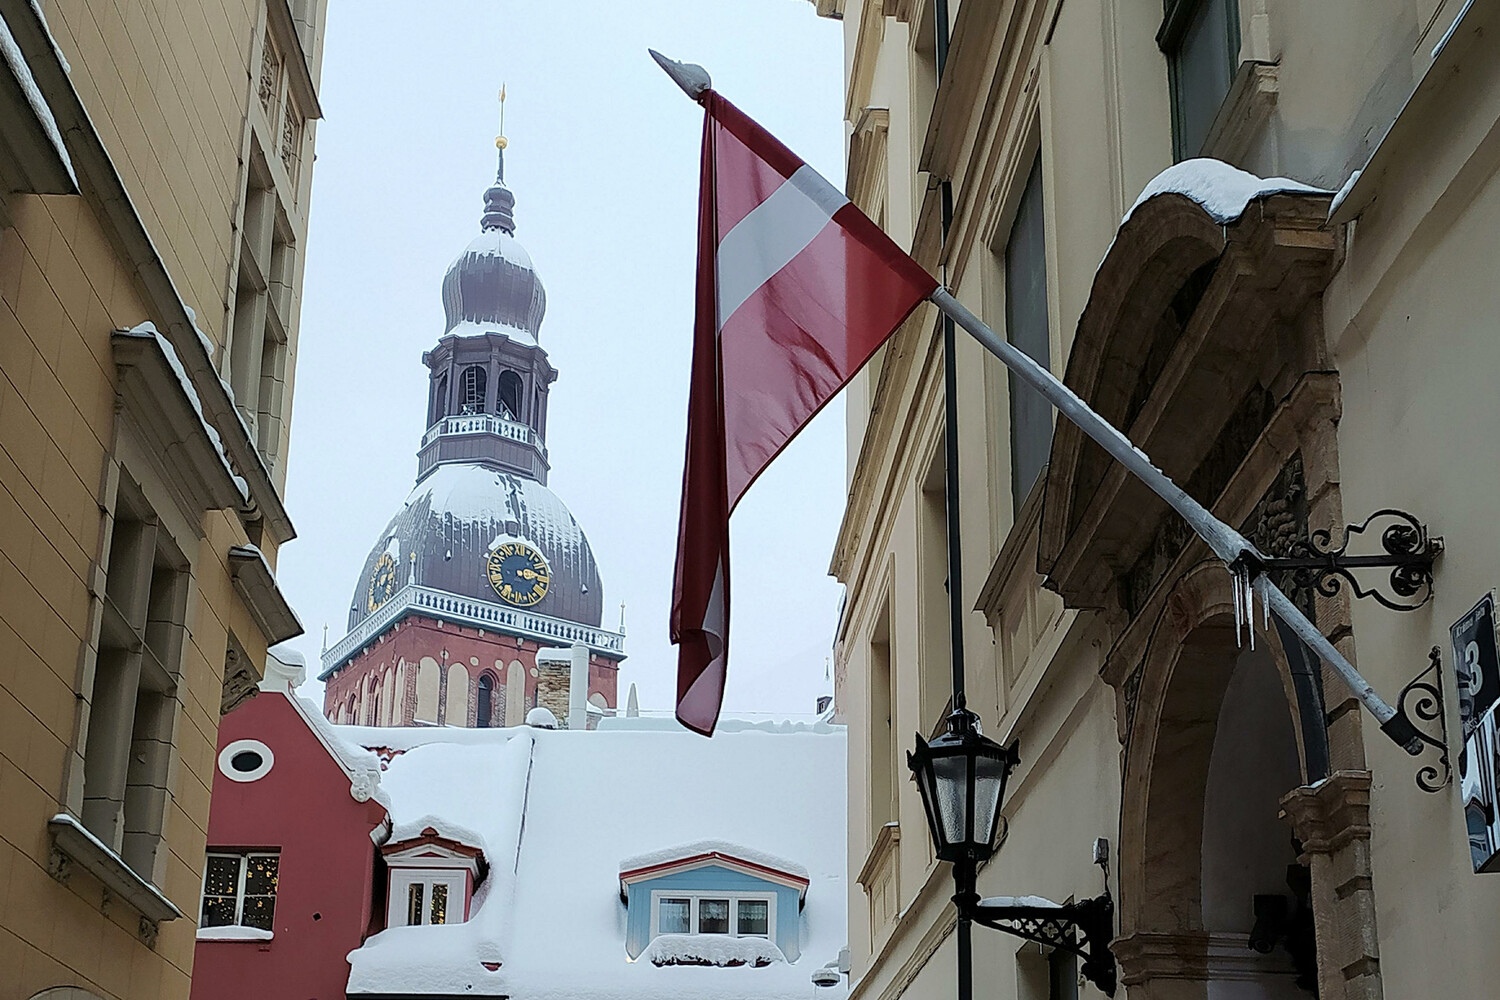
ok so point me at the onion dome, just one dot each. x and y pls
(492, 283)
(454, 522)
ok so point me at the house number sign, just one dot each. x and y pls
(1477, 664)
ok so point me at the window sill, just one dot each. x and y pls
(234, 932)
(72, 844)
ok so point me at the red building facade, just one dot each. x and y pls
(292, 854)
(427, 670)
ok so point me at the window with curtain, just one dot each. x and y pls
(732, 914)
(1026, 328)
(1201, 40)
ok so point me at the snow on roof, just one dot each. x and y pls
(21, 70)
(362, 766)
(1223, 191)
(589, 798)
(473, 328)
(477, 493)
(698, 848)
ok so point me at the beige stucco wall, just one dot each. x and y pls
(167, 86)
(1407, 318)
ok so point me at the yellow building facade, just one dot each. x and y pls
(155, 168)
(1297, 354)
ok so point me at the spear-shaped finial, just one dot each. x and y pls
(500, 141)
(693, 79)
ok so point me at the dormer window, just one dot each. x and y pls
(682, 899)
(432, 880)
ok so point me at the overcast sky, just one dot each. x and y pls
(603, 161)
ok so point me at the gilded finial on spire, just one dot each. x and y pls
(500, 141)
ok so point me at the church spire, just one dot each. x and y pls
(499, 203)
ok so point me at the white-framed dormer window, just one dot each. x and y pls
(239, 889)
(737, 914)
(426, 897)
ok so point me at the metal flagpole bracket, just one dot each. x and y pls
(1083, 928)
(1422, 698)
(1409, 552)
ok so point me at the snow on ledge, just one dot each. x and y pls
(16, 60)
(712, 949)
(1035, 902)
(1224, 192)
(697, 848)
(234, 933)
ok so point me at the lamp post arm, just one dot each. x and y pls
(1083, 928)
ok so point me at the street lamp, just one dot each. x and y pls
(961, 776)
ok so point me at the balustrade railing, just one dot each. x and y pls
(468, 611)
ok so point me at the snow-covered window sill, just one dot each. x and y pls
(72, 844)
(712, 950)
(234, 933)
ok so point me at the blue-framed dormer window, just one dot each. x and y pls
(713, 891)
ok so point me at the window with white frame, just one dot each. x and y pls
(425, 898)
(746, 914)
(239, 889)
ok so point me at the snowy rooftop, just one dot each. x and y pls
(548, 923)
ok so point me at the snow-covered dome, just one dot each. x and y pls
(493, 280)
(453, 519)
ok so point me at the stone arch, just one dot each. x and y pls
(456, 710)
(429, 681)
(65, 993)
(1215, 741)
(388, 697)
(1196, 329)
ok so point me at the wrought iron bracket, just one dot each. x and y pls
(1083, 928)
(1422, 700)
(1408, 552)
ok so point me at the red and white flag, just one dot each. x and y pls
(796, 290)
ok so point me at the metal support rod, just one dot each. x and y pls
(965, 899)
(956, 611)
(1229, 545)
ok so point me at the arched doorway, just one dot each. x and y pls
(1216, 886)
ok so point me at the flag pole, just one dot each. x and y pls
(1239, 555)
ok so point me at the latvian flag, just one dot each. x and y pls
(796, 289)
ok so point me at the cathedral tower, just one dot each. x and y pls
(483, 566)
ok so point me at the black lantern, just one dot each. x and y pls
(962, 776)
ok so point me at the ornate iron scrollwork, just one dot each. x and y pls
(1409, 552)
(1083, 928)
(1422, 700)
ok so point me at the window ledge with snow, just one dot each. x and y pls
(73, 844)
(712, 950)
(234, 932)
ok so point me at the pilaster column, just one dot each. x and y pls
(1332, 820)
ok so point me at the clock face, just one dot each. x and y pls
(518, 572)
(382, 580)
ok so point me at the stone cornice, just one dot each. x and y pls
(1330, 814)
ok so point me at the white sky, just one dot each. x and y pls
(603, 160)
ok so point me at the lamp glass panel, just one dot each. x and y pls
(989, 786)
(952, 777)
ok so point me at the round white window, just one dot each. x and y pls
(245, 760)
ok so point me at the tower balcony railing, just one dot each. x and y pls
(469, 611)
(482, 423)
